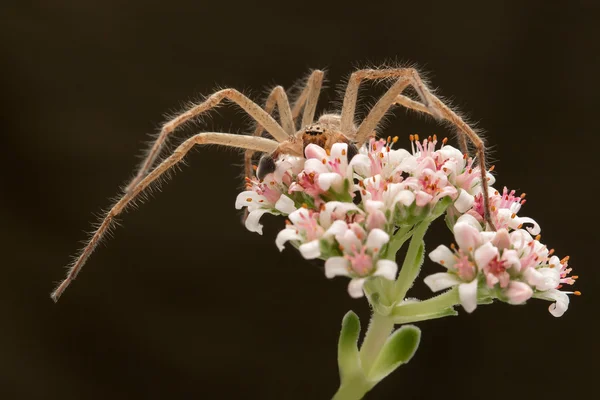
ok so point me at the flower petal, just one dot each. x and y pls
(518, 292)
(377, 239)
(502, 239)
(328, 179)
(543, 278)
(252, 222)
(361, 164)
(484, 254)
(464, 201)
(355, 287)
(337, 228)
(467, 293)
(336, 266)
(340, 150)
(535, 229)
(386, 269)
(315, 151)
(310, 250)
(443, 256)
(466, 236)
(441, 281)
(299, 215)
(284, 236)
(249, 198)
(405, 197)
(562, 301)
(285, 205)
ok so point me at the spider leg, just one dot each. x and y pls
(309, 98)
(416, 106)
(254, 110)
(433, 104)
(225, 139)
(278, 98)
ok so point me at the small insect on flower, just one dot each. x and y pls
(292, 136)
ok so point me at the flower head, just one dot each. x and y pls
(511, 267)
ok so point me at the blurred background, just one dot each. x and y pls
(184, 302)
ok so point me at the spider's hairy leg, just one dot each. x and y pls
(416, 106)
(433, 104)
(225, 139)
(351, 93)
(311, 90)
(311, 97)
(278, 98)
(254, 110)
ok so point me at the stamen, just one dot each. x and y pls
(343, 152)
(538, 237)
(577, 293)
(394, 139)
(491, 168)
(249, 199)
(444, 141)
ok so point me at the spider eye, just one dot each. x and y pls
(314, 130)
(266, 165)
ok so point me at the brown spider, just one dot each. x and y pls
(327, 130)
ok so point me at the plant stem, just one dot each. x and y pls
(397, 240)
(379, 330)
(410, 266)
(353, 390)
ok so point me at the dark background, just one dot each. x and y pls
(183, 302)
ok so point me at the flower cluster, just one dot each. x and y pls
(508, 264)
(345, 211)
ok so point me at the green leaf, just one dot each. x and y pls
(348, 356)
(397, 350)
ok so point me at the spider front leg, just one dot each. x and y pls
(254, 110)
(225, 139)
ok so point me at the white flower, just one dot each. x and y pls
(360, 258)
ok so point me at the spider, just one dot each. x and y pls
(327, 130)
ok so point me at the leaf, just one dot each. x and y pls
(348, 356)
(397, 350)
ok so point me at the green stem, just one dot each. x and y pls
(410, 266)
(353, 390)
(428, 307)
(397, 240)
(379, 330)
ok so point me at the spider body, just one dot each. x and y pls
(287, 136)
(325, 132)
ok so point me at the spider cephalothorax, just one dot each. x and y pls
(324, 133)
(287, 136)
